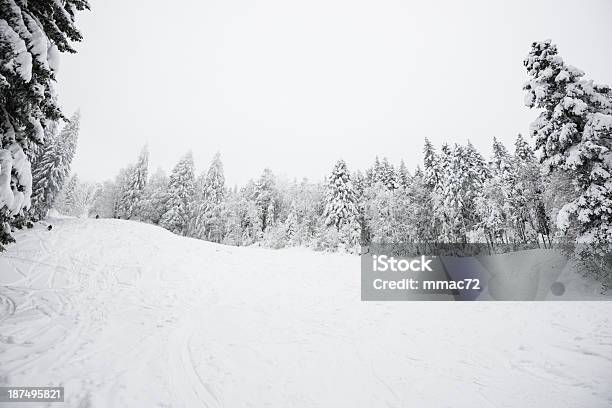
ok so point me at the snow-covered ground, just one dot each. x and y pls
(125, 314)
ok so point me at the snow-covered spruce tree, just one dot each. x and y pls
(380, 213)
(264, 196)
(154, 198)
(120, 186)
(490, 206)
(451, 194)
(434, 167)
(455, 179)
(382, 172)
(496, 206)
(66, 202)
(522, 150)
(52, 167)
(419, 172)
(180, 193)
(362, 187)
(36, 153)
(420, 210)
(476, 172)
(304, 213)
(133, 188)
(195, 204)
(502, 162)
(292, 226)
(32, 34)
(123, 183)
(208, 209)
(374, 173)
(243, 218)
(403, 176)
(388, 176)
(476, 165)
(573, 133)
(528, 195)
(431, 166)
(340, 200)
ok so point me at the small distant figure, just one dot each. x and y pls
(97, 216)
(50, 227)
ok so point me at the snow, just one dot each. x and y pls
(23, 168)
(53, 58)
(21, 62)
(125, 314)
(37, 42)
(563, 76)
(564, 215)
(6, 164)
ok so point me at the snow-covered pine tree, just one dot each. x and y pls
(359, 183)
(573, 133)
(504, 172)
(66, 201)
(133, 189)
(361, 186)
(419, 172)
(431, 165)
(522, 150)
(36, 153)
(123, 179)
(208, 220)
(476, 165)
(196, 217)
(121, 182)
(434, 169)
(292, 225)
(270, 216)
(421, 209)
(243, 218)
(528, 195)
(379, 205)
(403, 175)
(264, 196)
(475, 173)
(180, 193)
(376, 171)
(502, 205)
(490, 205)
(32, 34)
(340, 201)
(154, 198)
(387, 175)
(52, 167)
(502, 162)
(451, 195)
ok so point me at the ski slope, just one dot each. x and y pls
(124, 314)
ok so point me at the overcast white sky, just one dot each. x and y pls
(295, 85)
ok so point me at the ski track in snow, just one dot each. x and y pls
(124, 314)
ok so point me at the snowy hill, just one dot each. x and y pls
(125, 314)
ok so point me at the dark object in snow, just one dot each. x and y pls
(97, 216)
(50, 227)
